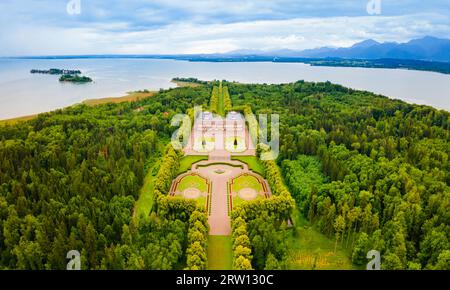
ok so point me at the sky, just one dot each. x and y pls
(62, 27)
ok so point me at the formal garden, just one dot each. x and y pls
(194, 187)
(246, 187)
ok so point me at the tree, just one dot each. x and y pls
(391, 262)
(443, 261)
(242, 263)
(360, 249)
(339, 228)
(272, 263)
(29, 256)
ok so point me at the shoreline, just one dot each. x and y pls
(130, 97)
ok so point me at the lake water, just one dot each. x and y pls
(22, 93)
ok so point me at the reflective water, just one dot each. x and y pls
(22, 93)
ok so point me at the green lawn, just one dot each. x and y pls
(201, 202)
(246, 182)
(309, 249)
(193, 181)
(237, 200)
(220, 253)
(220, 104)
(252, 162)
(145, 202)
(187, 161)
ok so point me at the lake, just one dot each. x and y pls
(22, 93)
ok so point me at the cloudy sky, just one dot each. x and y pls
(48, 27)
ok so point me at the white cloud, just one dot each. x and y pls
(190, 37)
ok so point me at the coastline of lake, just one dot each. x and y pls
(131, 97)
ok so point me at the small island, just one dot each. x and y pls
(75, 78)
(67, 75)
(56, 71)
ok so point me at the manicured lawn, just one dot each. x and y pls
(193, 181)
(220, 253)
(237, 200)
(187, 161)
(145, 202)
(246, 182)
(309, 249)
(253, 164)
(201, 202)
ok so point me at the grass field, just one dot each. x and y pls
(245, 182)
(193, 181)
(187, 161)
(253, 163)
(220, 253)
(309, 249)
(17, 120)
(133, 96)
(145, 202)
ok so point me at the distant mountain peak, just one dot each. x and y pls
(428, 40)
(429, 37)
(428, 48)
(365, 43)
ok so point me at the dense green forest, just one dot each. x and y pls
(69, 180)
(369, 172)
(379, 176)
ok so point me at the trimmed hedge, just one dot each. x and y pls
(242, 253)
(169, 206)
(214, 102)
(228, 106)
(197, 251)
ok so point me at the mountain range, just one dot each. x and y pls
(427, 48)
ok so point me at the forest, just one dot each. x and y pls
(69, 180)
(369, 172)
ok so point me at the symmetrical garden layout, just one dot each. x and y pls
(221, 182)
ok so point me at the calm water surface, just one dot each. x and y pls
(22, 93)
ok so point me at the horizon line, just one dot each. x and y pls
(203, 53)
